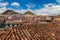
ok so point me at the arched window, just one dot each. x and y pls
(13, 24)
(17, 24)
(21, 24)
(8, 25)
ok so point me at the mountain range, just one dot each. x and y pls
(11, 12)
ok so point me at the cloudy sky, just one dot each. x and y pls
(40, 7)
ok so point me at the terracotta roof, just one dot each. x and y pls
(32, 32)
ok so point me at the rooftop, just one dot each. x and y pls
(32, 32)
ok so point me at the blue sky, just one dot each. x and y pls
(45, 7)
(37, 3)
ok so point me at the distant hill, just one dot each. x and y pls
(28, 13)
(9, 12)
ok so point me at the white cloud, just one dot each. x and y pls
(30, 5)
(4, 4)
(23, 11)
(48, 5)
(58, 1)
(50, 9)
(20, 11)
(15, 4)
(3, 9)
